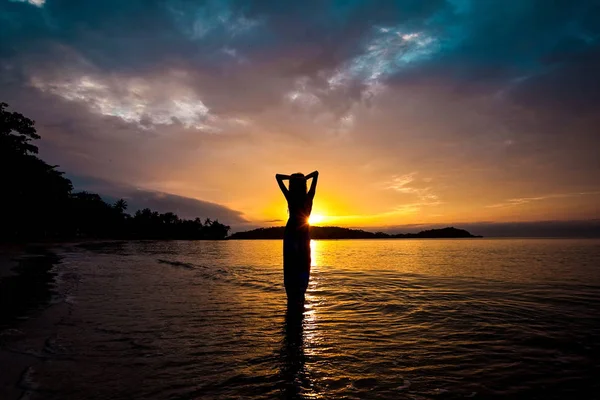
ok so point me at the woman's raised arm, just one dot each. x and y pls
(280, 178)
(313, 184)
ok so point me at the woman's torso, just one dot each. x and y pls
(299, 213)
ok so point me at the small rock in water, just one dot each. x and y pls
(11, 332)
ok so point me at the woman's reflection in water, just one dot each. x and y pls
(292, 371)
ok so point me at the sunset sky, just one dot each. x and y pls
(413, 111)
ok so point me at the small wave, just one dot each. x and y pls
(26, 382)
(405, 385)
(53, 348)
(262, 286)
(9, 333)
(178, 264)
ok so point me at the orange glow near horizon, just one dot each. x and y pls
(383, 206)
(316, 219)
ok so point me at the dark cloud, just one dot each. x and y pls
(114, 33)
(572, 87)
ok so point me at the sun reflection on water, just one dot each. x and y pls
(312, 334)
(315, 253)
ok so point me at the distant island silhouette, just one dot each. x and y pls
(335, 232)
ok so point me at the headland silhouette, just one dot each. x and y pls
(39, 203)
(336, 232)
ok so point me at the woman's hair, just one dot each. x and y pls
(298, 187)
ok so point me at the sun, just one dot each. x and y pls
(315, 219)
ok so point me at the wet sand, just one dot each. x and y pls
(29, 314)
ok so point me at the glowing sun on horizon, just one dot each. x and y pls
(315, 219)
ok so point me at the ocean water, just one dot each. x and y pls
(383, 319)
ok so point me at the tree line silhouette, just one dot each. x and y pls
(37, 201)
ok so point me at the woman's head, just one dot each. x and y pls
(298, 187)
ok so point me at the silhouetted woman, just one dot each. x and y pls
(296, 239)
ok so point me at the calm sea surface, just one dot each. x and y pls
(384, 319)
